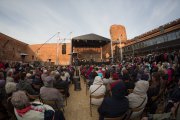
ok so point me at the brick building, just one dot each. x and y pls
(12, 49)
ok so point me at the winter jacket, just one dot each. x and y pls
(115, 106)
(96, 89)
(138, 98)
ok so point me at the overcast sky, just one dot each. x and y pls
(35, 21)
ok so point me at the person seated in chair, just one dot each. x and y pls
(96, 89)
(47, 92)
(153, 91)
(114, 106)
(25, 85)
(24, 110)
(138, 99)
(60, 84)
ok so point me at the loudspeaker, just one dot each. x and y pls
(64, 48)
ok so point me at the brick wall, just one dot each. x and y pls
(49, 51)
(10, 48)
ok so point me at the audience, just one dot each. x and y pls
(152, 83)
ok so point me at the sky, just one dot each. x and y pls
(36, 21)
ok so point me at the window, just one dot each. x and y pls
(145, 43)
(161, 39)
(171, 36)
(178, 34)
(165, 37)
(155, 41)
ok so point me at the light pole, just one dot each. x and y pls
(57, 49)
(133, 53)
(121, 55)
(71, 49)
(112, 58)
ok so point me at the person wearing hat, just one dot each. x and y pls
(96, 89)
(114, 106)
(138, 98)
(24, 85)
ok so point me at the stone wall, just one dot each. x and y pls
(49, 51)
(117, 31)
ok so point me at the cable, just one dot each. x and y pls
(46, 42)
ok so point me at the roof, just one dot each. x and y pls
(89, 40)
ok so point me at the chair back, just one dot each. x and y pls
(95, 97)
(115, 118)
(33, 97)
(64, 94)
(53, 104)
(37, 87)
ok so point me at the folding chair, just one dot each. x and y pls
(36, 87)
(115, 118)
(64, 93)
(53, 104)
(87, 85)
(95, 97)
(33, 97)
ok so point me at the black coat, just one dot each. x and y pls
(116, 105)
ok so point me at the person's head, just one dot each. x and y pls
(107, 75)
(20, 100)
(22, 75)
(10, 87)
(118, 90)
(28, 75)
(144, 76)
(62, 74)
(141, 87)
(57, 76)
(1, 76)
(53, 73)
(155, 77)
(36, 81)
(10, 73)
(48, 81)
(98, 80)
(165, 65)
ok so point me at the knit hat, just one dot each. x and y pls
(119, 90)
(36, 81)
(141, 87)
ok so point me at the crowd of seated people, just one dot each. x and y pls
(145, 88)
(137, 89)
(24, 90)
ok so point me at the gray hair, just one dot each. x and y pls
(20, 100)
(10, 87)
(48, 82)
